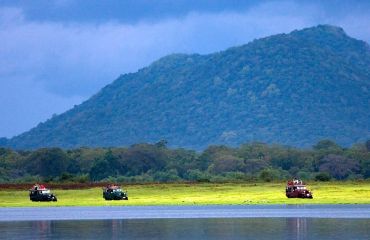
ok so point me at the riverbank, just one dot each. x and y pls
(199, 194)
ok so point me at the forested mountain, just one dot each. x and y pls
(294, 89)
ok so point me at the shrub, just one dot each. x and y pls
(355, 177)
(84, 178)
(269, 174)
(198, 176)
(218, 179)
(166, 176)
(323, 177)
(272, 174)
(304, 175)
(65, 177)
(338, 166)
(236, 176)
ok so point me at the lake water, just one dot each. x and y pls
(229, 228)
(191, 222)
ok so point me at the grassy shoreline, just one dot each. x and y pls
(199, 194)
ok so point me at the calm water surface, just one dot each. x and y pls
(188, 222)
(151, 212)
(229, 228)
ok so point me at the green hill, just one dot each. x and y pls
(294, 89)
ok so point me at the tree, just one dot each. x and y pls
(105, 167)
(9, 164)
(226, 163)
(3, 141)
(161, 144)
(113, 163)
(327, 145)
(255, 150)
(73, 167)
(365, 168)
(208, 155)
(269, 174)
(322, 176)
(141, 158)
(254, 165)
(182, 160)
(339, 166)
(85, 157)
(100, 170)
(47, 162)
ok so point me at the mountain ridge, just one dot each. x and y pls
(294, 89)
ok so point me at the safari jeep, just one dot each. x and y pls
(297, 189)
(113, 192)
(38, 193)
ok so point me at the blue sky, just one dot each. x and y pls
(55, 54)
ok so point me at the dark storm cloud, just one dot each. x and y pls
(126, 11)
(54, 54)
(133, 11)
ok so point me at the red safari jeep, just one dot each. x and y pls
(297, 189)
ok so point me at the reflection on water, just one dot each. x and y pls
(297, 228)
(229, 228)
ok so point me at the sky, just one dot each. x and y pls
(55, 54)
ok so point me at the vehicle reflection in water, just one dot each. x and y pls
(223, 228)
(42, 229)
(297, 228)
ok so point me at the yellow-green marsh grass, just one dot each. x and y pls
(200, 194)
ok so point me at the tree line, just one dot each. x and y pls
(145, 162)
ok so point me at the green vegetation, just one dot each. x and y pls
(200, 194)
(148, 163)
(290, 89)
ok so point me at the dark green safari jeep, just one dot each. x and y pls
(39, 193)
(113, 192)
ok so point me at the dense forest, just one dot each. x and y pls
(141, 163)
(294, 89)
